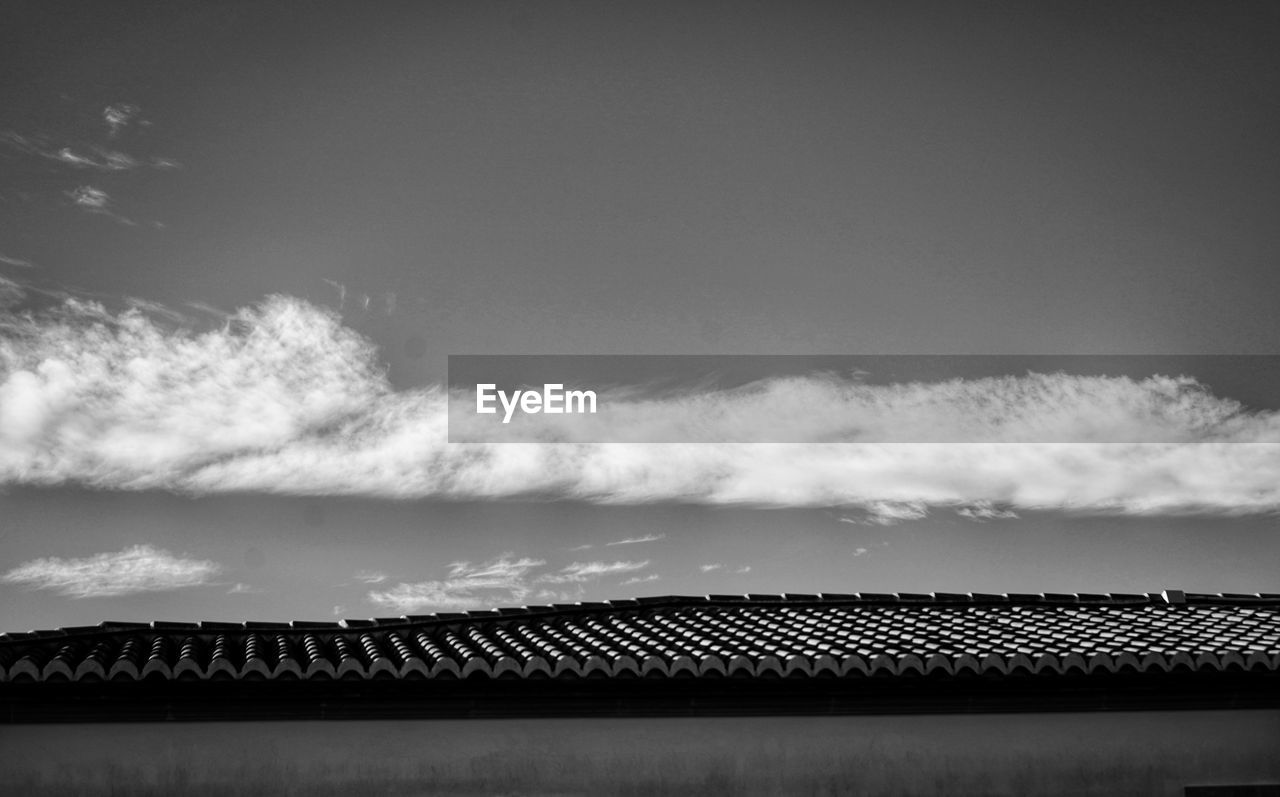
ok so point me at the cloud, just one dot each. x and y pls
(641, 579)
(634, 540)
(100, 159)
(243, 589)
(16, 262)
(585, 547)
(141, 568)
(90, 157)
(983, 511)
(503, 581)
(11, 294)
(888, 513)
(95, 200)
(118, 117)
(156, 309)
(283, 398)
(370, 576)
(891, 513)
(561, 596)
(86, 196)
(579, 572)
(342, 292)
(859, 551)
(82, 156)
(712, 567)
(210, 310)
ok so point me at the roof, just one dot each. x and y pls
(738, 637)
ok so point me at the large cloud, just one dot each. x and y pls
(285, 399)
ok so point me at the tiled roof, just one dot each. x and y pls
(753, 636)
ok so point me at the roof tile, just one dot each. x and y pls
(768, 636)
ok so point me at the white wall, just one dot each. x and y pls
(1018, 754)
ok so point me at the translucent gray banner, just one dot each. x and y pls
(864, 399)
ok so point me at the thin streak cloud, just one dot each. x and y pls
(370, 576)
(641, 579)
(93, 157)
(141, 568)
(96, 200)
(16, 262)
(580, 572)
(637, 540)
(102, 160)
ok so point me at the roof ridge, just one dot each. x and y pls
(1164, 598)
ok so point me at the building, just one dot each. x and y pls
(1166, 693)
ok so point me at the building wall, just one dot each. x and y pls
(1018, 754)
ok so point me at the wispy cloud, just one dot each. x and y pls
(579, 572)
(157, 310)
(99, 159)
(584, 547)
(243, 589)
(118, 117)
(712, 567)
(503, 581)
(983, 511)
(641, 579)
(860, 552)
(342, 292)
(887, 513)
(561, 596)
(91, 157)
(11, 294)
(86, 196)
(635, 540)
(96, 200)
(16, 262)
(283, 398)
(210, 310)
(141, 568)
(89, 151)
(891, 513)
(370, 576)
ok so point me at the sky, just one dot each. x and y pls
(239, 243)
